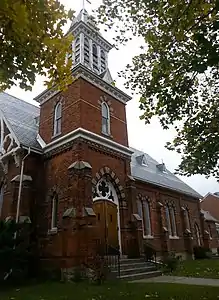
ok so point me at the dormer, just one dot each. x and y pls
(162, 168)
(142, 160)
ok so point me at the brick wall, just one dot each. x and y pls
(81, 107)
(164, 196)
(211, 203)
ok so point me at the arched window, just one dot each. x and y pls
(169, 227)
(197, 234)
(171, 221)
(57, 118)
(103, 61)
(95, 59)
(86, 51)
(1, 199)
(77, 50)
(209, 231)
(54, 220)
(105, 119)
(144, 212)
(187, 221)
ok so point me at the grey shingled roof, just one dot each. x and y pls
(21, 117)
(151, 174)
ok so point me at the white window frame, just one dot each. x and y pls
(171, 221)
(54, 219)
(77, 50)
(88, 52)
(210, 232)
(102, 60)
(145, 214)
(57, 118)
(197, 234)
(106, 118)
(95, 65)
(187, 220)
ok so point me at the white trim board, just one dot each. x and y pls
(90, 136)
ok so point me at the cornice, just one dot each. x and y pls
(94, 34)
(81, 71)
(65, 142)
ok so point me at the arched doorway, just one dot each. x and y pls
(106, 207)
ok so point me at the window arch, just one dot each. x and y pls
(77, 50)
(86, 51)
(144, 212)
(103, 61)
(57, 118)
(54, 219)
(209, 231)
(187, 220)
(95, 58)
(197, 234)
(171, 220)
(105, 119)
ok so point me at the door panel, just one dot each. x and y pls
(107, 222)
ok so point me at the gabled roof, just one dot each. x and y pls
(152, 174)
(21, 118)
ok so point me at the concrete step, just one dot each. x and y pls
(136, 270)
(143, 275)
(130, 260)
(135, 266)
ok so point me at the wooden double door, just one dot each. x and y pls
(107, 222)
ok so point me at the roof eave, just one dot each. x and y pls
(168, 188)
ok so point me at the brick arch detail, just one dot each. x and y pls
(107, 172)
(144, 198)
(54, 190)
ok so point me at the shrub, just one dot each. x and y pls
(100, 269)
(201, 252)
(171, 262)
(15, 253)
(149, 252)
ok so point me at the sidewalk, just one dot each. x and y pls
(182, 280)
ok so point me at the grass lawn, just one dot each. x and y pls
(206, 268)
(111, 291)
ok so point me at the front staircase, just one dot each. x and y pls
(133, 269)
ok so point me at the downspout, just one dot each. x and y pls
(18, 203)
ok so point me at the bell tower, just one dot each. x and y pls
(89, 48)
(92, 102)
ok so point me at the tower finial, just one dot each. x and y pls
(84, 2)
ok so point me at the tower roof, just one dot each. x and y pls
(83, 16)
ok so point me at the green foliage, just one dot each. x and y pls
(201, 252)
(14, 251)
(176, 72)
(116, 290)
(149, 252)
(171, 262)
(201, 268)
(32, 42)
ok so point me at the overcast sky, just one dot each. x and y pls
(149, 138)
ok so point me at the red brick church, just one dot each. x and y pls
(81, 184)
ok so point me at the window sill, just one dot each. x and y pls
(53, 231)
(148, 237)
(109, 135)
(171, 237)
(56, 135)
